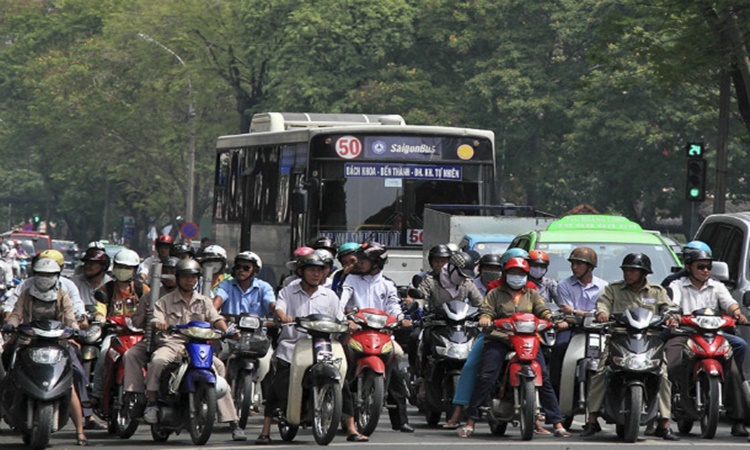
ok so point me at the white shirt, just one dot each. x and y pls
(295, 302)
(65, 284)
(712, 294)
(371, 291)
(85, 290)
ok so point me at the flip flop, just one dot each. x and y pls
(357, 438)
(542, 430)
(466, 432)
(562, 432)
(263, 439)
(451, 425)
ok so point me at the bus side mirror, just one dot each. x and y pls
(299, 201)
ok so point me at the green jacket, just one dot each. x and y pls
(499, 304)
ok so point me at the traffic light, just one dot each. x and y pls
(694, 149)
(36, 221)
(695, 190)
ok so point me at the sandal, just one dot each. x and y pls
(541, 430)
(466, 432)
(562, 432)
(81, 440)
(93, 424)
(451, 425)
(263, 439)
(357, 438)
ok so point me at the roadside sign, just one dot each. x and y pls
(189, 230)
(28, 227)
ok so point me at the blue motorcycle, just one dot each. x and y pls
(189, 387)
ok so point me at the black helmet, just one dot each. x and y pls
(170, 261)
(692, 255)
(464, 263)
(312, 259)
(439, 251)
(324, 243)
(188, 267)
(637, 261)
(490, 260)
(374, 252)
(181, 249)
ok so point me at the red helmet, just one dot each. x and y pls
(95, 254)
(517, 262)
(164, 239)
(539, 257)
(302, 251)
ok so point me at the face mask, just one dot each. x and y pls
(515, 281)
(123, 274)
(44, 284)
(456, 277)
(490, 276)
(537, 272)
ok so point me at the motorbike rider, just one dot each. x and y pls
(168, 285)
(369, 288)
(122, 297)
(547, 287)
(182, 250)
(245, 293)
(163, 245)
(45, 299)
(215, 258)
(634, 290)
(325, 243)
(687, 250)
(176, 308)
(490, 269)
(6, 270)
(696, 289)
(512, 296)
(301, 298)
(348, 259)
(576, 295)
(292, 265)
(93, 277)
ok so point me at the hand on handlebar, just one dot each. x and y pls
(353, 325)
(567, 309)
(741, 319)
(672, 323)
(485, 321)
(602, 317)
(561, 325)
(161, 326)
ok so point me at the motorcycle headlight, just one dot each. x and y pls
(387, 347)
(453, 351)
(93, 334)
(46, 355)
(376, 321)
(526, 327)
(636, 363)
(205, 334)
(250, 322)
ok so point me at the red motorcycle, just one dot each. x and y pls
(516, 399)
(706, 358)
(115, 404)
(369, 351)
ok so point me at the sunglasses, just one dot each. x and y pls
(245, 267)
(704, 266)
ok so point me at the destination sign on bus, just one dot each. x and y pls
(431, 172)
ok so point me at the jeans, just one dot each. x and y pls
(468, 377)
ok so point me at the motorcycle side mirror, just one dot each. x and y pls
(100, 296)
(416, 280)
(746, 298)
(413, 306)
(675, 269)
(354, 310)
(416, 294)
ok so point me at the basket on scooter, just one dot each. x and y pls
(250, 345)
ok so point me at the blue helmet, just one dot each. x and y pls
(697, 245)
(514, 252)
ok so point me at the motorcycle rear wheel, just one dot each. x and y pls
(498, 428)
(124, 425)
(328, 402)
(42, 429)
(243, 397)
(527, 398)
(684, 426)
(159, 434)
(634, 406)
(288, 432)
(710, 415)
(203, 417)
(372, 395)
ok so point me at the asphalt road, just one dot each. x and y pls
(384, 438)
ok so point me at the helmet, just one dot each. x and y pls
(164, 239)
(347, 248)
(46, 265)
(53, 255)
(302, 251)
(696, 255)
(170, 261)
(374, 252)
(516, 262)
(127, 257)
(637, 261)
(584, 254)
(697, 245)
(325, 256)
(95, 244)
(181, 249)
(439, 251)
(187, 267)
(324, 243)
(312, 259)
(515, 252)
(464, 263)
(490, 260)
(249, 257)
(96, 254)
(539, 257)
(214, 252)
(452, 247)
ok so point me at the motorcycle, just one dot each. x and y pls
(580, 363)
(517, 397)
(451, 332)
(115, 403)
(706, 358)
(633, 371)
(370, 350)
(315, 380)
(35, 394)
(91, 344)
(247, 365)
(189, 388)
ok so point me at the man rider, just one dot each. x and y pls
(93, 276)
(163, 245)
(245, 293)
(632, 291)
(490, 269)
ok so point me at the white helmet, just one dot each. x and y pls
(46, 265)
(95, 244)
(251, 257)
(453, 247)
(214, 251)
(127, 257)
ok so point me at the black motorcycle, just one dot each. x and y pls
(36, 391)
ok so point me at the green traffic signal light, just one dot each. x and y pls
(695, 188)
(36, 219)
(695, 150)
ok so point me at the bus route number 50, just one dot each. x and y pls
(348, 147)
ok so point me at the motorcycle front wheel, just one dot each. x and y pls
(203, 415)
(288, 432)
(120, 414)
(327, 401)
(42, 429)
(527, 398)
(710, 399)
(368, 411)
(633, 408)
(159, 434)
(243, 397)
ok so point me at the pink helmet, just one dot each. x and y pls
(302, 251)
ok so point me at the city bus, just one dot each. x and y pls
(351, 177)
